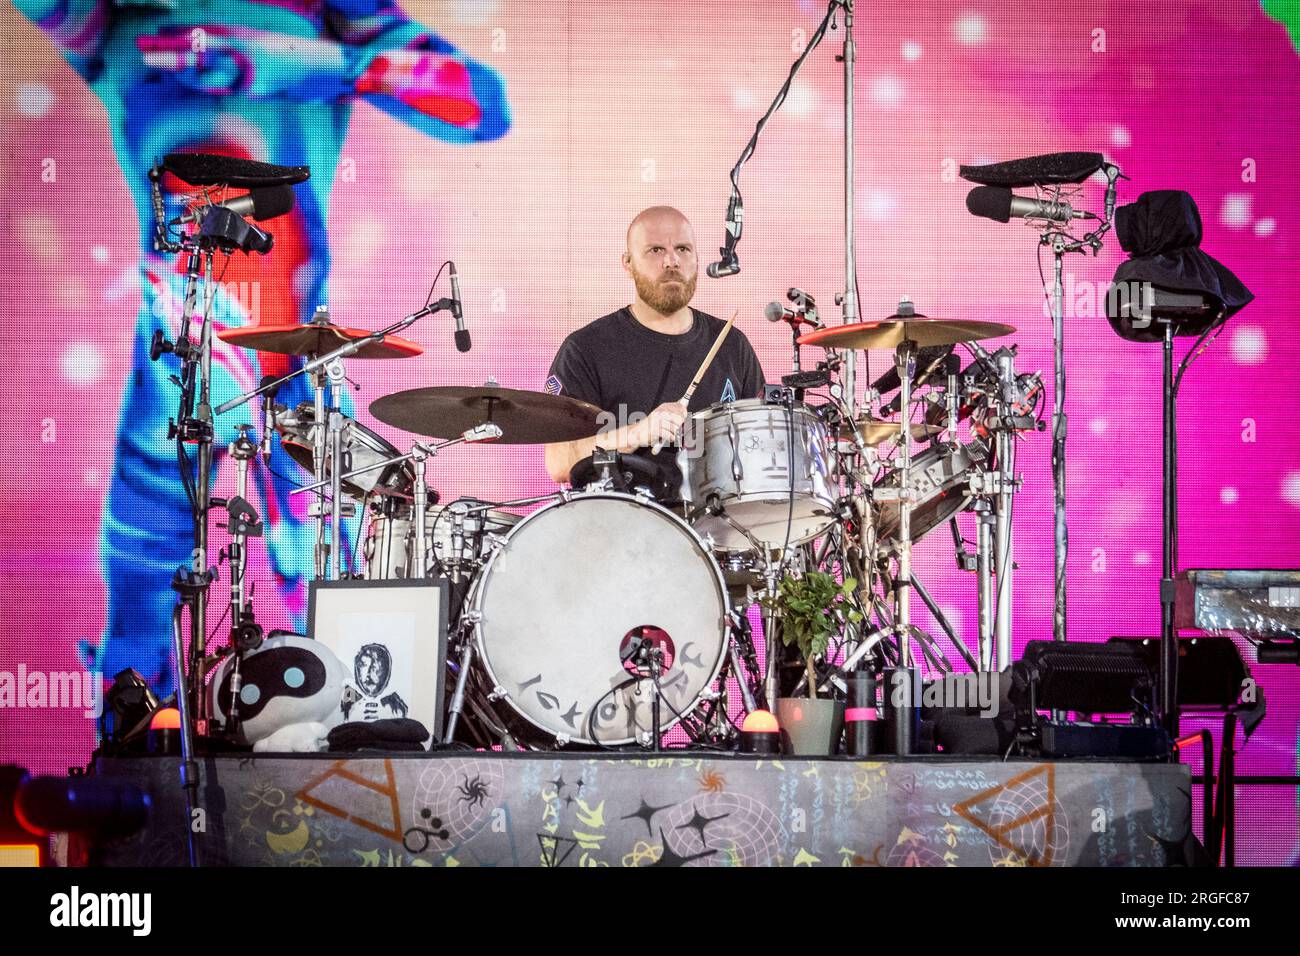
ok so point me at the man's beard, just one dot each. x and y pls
(662, 297)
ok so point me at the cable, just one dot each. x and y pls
(591, 714)
(750, 146)
(429, 298)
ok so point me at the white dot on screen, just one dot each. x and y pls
(911, 51)
(880, 204)
(802, 99)
(1228, 495)
(364, 241)
(1265, 227)
(1249, 345)
(1291, 488)
(99, 254)
(1098, 426)
(887, 91)
(1141, 558)
(1235, 211)
(35, 100)
(474, 11)
(90, 476)
(1120, 136)
(742, 98)
(82, 363)
(970, 29)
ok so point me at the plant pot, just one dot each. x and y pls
(809, 728)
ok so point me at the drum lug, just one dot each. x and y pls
(562, 740)
(498, 693)
(733, 435)
(471, 618)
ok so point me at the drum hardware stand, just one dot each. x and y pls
(193, 424)
(242, 523)
(905, 717)
(187, 592)
(327, 432)
(1061, 243)
(458, 696)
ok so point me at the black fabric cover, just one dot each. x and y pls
(397, 733)
(1161, 232)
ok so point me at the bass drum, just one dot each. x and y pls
(559, 600)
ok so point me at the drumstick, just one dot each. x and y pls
(704, 367)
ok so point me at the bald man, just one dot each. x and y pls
(636, 363)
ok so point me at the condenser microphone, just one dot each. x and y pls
(262, 204)
(993, 202)
(458, 311)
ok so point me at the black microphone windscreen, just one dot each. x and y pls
(271, 202)
(1047, 169)
(209, 169)
(990, 202)
(462, 340)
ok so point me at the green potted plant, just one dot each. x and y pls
(811, 608)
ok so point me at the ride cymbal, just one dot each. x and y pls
(524, 417)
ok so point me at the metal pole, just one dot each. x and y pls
(984, 521)
(1168, 674)
(850, 377)
(1060, 536)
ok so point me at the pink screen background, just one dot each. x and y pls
(617, 107)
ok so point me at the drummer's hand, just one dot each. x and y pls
(661, 426)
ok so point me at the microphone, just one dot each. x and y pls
(729, 264)
(993, 202)
(262, 204)
(268, 417)
(920, 379)
(776, 312)
(805, 304)
(457, 311)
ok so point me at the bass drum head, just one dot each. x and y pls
(557, 600)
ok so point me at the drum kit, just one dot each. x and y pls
(609, 612)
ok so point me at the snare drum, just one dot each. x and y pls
(456, 536)
(768, 468)
(559, 600)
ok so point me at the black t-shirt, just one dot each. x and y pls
(626, 369)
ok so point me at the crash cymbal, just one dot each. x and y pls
(876, 431)
(888, 334)
(316, 338)
(525, 418)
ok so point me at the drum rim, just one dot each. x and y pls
(473, 602)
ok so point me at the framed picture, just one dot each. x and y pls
(392, 638)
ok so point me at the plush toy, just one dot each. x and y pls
(290, 692)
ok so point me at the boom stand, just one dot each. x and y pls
(1167, 677)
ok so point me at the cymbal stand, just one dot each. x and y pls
(905, 728)
(193, 425)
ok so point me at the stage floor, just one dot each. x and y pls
(484, 809)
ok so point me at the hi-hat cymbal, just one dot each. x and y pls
(919, 331)
(317, 338)
(876, 431)
(525, 418)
